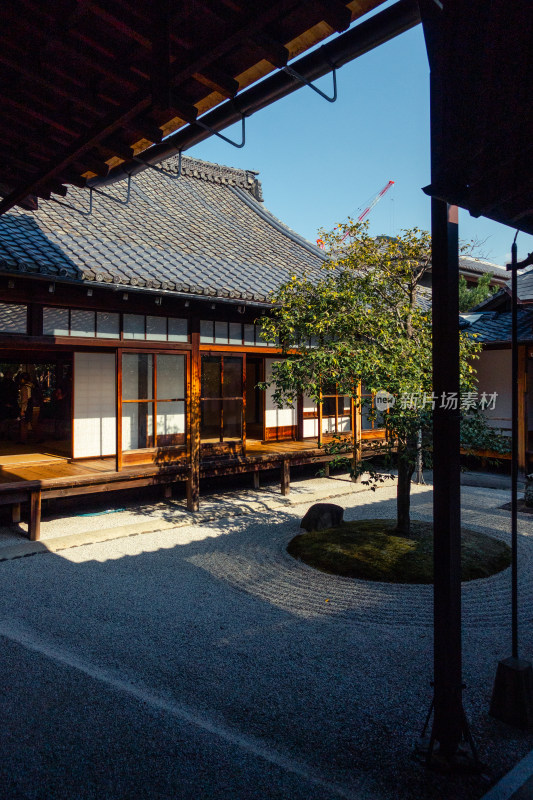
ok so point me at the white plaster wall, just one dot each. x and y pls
(494, 375)
(94, 405)
(274, 416)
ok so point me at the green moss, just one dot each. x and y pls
(373, 550)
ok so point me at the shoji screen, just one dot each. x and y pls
(94, 405)
(280, 423)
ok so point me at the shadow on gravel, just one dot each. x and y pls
(347, 698)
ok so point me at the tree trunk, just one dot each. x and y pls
(403, 494)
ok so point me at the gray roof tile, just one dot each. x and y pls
(197, 233)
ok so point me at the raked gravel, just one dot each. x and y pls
(328, 673)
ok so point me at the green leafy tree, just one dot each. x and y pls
(470, 297)
(366, 319)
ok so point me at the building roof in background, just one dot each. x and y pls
(524, 285)
(204, 233)
(492, 326)
(479, 266)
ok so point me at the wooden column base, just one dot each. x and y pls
(256, 480)
(193, 494)
(35, 516)
(167, 491)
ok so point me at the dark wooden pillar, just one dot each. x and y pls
(35, 515)
(257, 483)
(193, 481)
(448, 720)
(15, 513)
(522, 408)
(285, 477)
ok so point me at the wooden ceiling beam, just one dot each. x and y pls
(160, 52)
(217, 80)
(335, 13)
(211, 49)
(90, 163)
(272, 50)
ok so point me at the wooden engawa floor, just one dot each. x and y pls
(32, 462)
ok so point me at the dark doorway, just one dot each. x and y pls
(254, 399)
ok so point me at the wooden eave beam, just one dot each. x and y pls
(272, 50)
(335, 13)
(217, 80)
(140, 101)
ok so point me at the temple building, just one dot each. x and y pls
(130, 346)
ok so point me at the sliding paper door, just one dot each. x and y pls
(94, 405)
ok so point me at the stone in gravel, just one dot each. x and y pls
(322, 516)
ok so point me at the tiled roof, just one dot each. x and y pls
(524, 284)
(492, 326)
(206, 233)
(481, 266)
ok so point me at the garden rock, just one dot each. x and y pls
(322, 516)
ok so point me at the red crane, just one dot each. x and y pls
(365, 212)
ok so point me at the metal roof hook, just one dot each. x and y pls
(296, 75)
(173, 176)
(110, 196)
(221, 135)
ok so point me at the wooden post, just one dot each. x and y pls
(15, 513)
(356, 433)
(256, 480)
(326, 470)
(449, 720)
(193, 481)
(320, 418)
(285, 477)
(167, 491)
(35, 516)
(522, 408)
(118, 411)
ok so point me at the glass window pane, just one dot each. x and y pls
(170, 377)
(232, 411)
(82, 323)
(221, 332)
(344, 405)
(137, 426)
(207, 330)
(13, 318)
(211, 376)
(171, 423)
(328, 407)
(137, 376)
(249, 335)
(156, 329)
(134, 326)
(235, 333)
(232, 377)
(210, 420)
(55, 322)
(258, 338)
(107, 325)
(366, 410)
(177, 330)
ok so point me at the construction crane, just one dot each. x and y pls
(364, 213)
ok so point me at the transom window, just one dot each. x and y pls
(221, 332)
(106, 325)
(153, 400)
(13, 318)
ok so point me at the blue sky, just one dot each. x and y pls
(319, 162)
